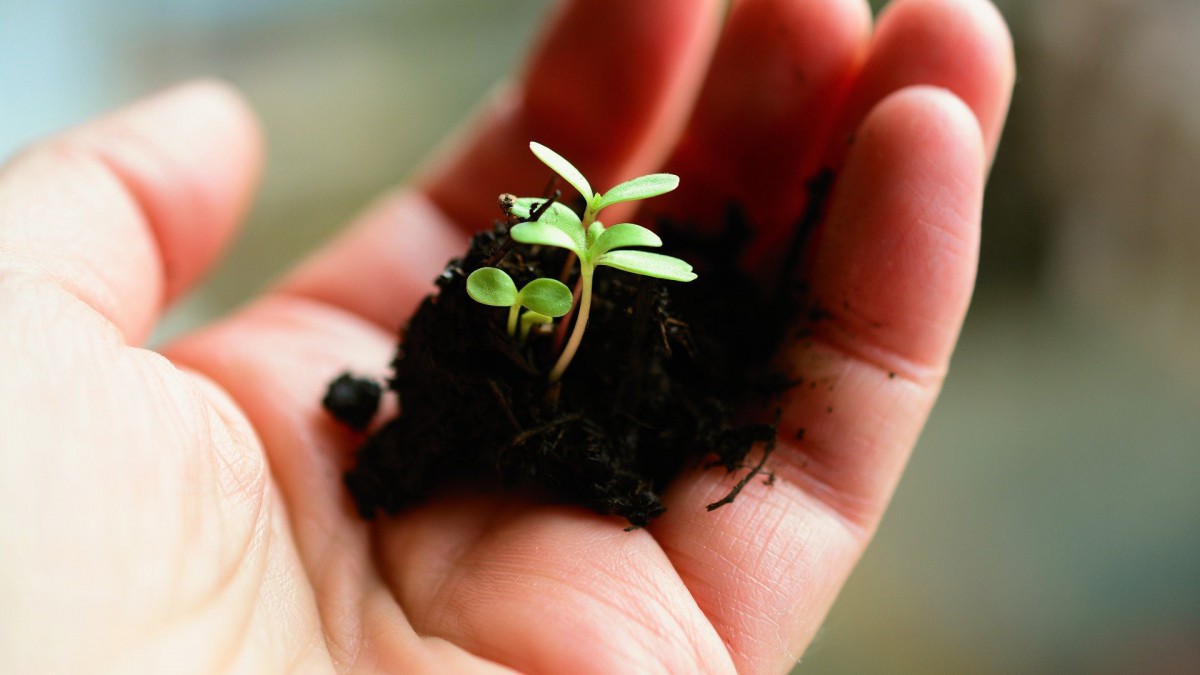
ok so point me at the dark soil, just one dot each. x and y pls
(669, 375)
(353, 401)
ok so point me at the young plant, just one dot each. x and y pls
(592, 243)
(530, 319)
(544, 299)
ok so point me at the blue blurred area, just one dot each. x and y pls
(44, 46)
(63, 61)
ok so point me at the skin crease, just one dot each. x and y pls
(182, 511)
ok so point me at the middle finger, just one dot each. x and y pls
(781, 72)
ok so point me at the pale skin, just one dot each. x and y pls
(182, 511)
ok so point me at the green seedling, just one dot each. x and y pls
(544, 299)
(530, 319)
(592, 243)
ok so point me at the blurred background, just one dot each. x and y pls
(1050, 519)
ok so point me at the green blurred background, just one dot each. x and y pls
(1050, 519)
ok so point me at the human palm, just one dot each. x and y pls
(184, 511)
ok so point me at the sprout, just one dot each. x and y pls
(530, 319)
(543, 299)
(594, 244)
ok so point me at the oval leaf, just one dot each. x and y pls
(642, 187)
(543, 234)
(491, 286)
(649, 264)
(546, 296)
(562, 217)
(624, 235)
(563, 168)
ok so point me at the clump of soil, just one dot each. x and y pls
(662, 381)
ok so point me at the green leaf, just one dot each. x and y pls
(562, 217)
(563, 168)
(650, 264)
(593, 233)
(543, 234)
(491, 286)
(623, 235)
(523, 207)
(559, 215)
(642, 187)
(546, 296)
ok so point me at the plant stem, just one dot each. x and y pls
(560, 332)
(585, 306)
(512, 319)
(589, 216)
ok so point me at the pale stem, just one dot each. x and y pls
(585, 306)
(560, 333)
(512, 319)
(589, 216)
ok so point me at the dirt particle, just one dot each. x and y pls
(352, 400)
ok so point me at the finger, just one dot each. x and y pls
(128, 211)
(780, 71)
(959, 45)
(545, 589)
(608, 87)
(896, 268)
(893, 274)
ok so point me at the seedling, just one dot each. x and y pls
(530, 319)
(544, 299)
(594, 244)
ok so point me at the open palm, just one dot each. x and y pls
(184, 511)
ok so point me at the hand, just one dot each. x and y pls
(185, 511)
